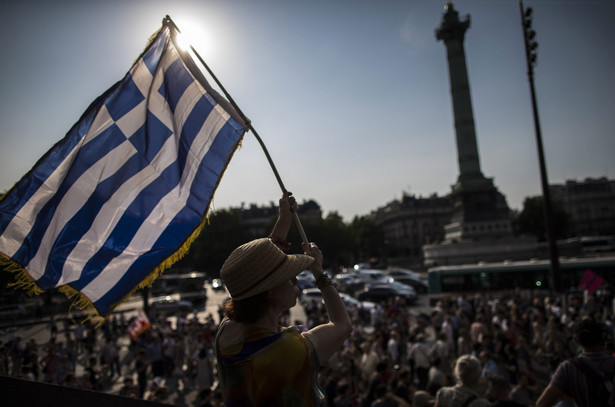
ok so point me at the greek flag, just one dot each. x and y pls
(124, 193)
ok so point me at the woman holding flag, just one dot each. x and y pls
(259, 362)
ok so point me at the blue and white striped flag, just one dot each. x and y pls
(123, 195)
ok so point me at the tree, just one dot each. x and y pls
(221, 234)
(333, 237)
(368, 240)
(531, 220)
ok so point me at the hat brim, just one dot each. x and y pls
(292, 265)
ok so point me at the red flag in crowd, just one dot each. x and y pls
(139, 325)
(590, 281)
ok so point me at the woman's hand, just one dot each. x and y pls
(288, 205)
(313, 251)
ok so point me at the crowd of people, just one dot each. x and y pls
(517, 342)
(504, 349)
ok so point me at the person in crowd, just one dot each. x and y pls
(441, 350)
(379, 377)
(369, 360)
(168, 354)
(419, 360)
(467, 373)
(393, 348)
(386, 398)
(155, 356)
(141, 366)
(93, 374)
(50, 363)
(437, 376)
(498, 392)
(490, 367)
(129, 388)
(112, 357)
(422, 398)
(343, 398)
(204, 368)
(330, 379)
(259, 362)
(402, 385)
(583, 378)
(522, 391)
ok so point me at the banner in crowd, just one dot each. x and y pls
(590, 281)
(139, 325)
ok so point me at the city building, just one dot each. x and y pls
(590, 205)
(411, 222)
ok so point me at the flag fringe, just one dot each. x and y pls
(81, 303)
(23, 281)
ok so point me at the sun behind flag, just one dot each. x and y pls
(127, 190)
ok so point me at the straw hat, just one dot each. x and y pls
(258, 266)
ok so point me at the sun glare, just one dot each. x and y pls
(193, 34)
(183, 42)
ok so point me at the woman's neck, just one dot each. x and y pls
(268, 321)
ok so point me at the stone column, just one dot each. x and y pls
(452, 32)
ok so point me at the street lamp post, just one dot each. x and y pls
(529, 36)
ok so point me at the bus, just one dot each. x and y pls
(515, 275)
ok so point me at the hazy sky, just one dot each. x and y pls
(351, 98)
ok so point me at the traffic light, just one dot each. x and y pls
(530, 36)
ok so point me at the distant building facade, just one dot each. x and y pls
(410, 223)
(590, 205)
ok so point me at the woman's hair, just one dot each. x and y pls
(421, 398)
(248, 310)
(467, 370)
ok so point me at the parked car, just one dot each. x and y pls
(370, 276)
(384, 291)
(347, 282)
(408, 289)
(409, 277)
(310, 294)
(397, 272)
(305, 279)
(313, 294)
(420, 286)
(168, 305)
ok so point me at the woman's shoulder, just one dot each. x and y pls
(446, 392)
(234, 333)
(230, 332)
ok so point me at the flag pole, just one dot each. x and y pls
(168, 21)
